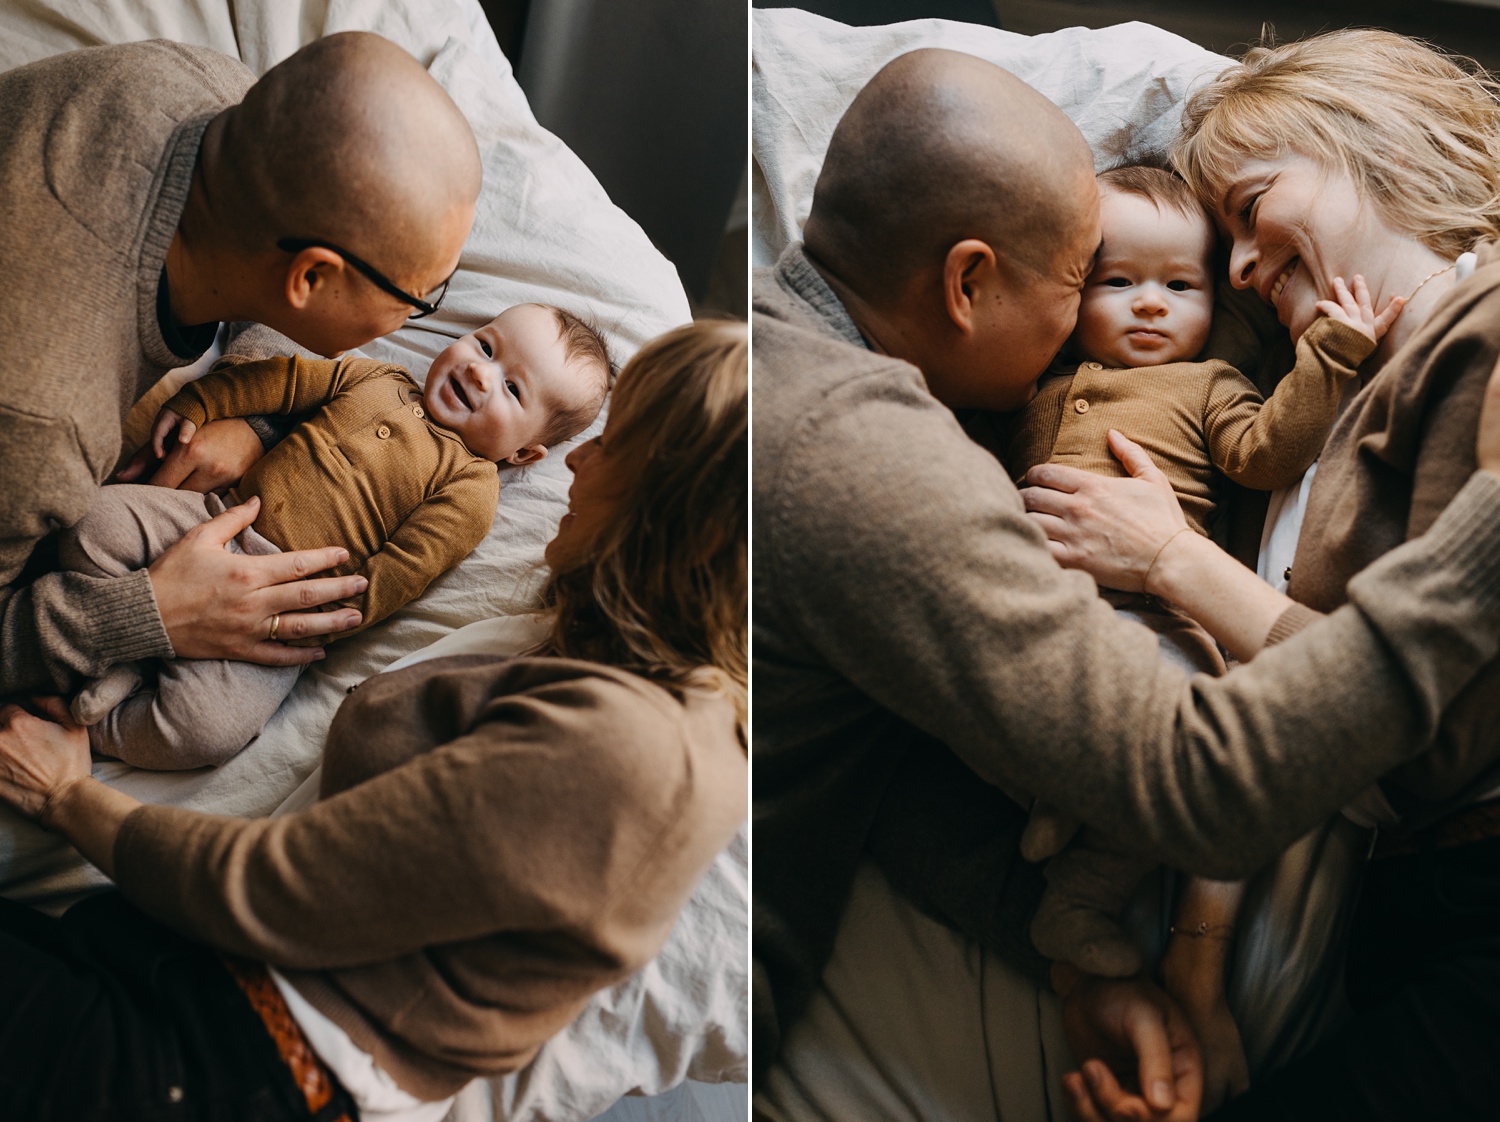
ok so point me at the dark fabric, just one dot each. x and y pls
(950, 843)
(187, 343)
(1424, 982)
(106, 1016)
(272, 430)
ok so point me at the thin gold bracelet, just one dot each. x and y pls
(1155, 557)
(1204, 931)
(44, 812)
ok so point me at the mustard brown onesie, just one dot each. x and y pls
(369, 471)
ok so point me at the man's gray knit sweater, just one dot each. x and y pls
(903, 598)
(97, 149)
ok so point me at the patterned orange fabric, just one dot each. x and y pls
(1463, 827)
(312, 1077)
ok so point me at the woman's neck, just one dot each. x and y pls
(1421, 276)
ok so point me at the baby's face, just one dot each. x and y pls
(1150, 297)
(498, 387)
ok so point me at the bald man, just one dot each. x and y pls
(906, 606)
(151, 191)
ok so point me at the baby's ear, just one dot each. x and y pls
(530, 455)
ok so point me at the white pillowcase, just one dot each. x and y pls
(1123, 86)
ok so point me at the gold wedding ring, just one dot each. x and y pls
(275, 626)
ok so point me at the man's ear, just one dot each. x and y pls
(309, 274)
(969, 272)
(533, 454)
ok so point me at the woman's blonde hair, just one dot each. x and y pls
(662, 589)
(1417, 131)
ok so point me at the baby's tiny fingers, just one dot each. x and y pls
(1356, 297)
(1392, 310)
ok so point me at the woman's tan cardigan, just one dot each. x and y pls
(497, 839)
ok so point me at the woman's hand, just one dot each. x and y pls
(44, 763)
(1111, 528)
(1129, 1034)
(1489, 425)
(212, 458)
(40, 757)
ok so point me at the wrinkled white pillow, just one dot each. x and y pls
(1123, 86)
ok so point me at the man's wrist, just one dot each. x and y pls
(1065, 979)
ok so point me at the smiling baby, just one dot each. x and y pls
(403, 477)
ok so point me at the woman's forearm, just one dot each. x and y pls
(1232, 604)
(1202, 938)
(90, 815)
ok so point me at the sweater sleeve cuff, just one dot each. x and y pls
(1291, 621)
(1346, 345)
(189, 408)
(127, 623)
(270, 429)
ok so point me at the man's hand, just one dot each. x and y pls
(217, 604)
(212, 458)
(1225, 1070)
(1355, 309)
(1140, 1061)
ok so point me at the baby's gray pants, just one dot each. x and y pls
(187, 712)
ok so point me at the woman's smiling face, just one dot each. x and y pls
(1294, 225)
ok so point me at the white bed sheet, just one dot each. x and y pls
(545, 230)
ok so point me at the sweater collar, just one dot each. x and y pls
(179, 157)
(796, 274)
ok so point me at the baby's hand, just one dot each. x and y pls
(1355, 308)
(166, 423)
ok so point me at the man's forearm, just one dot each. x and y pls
(66, 627)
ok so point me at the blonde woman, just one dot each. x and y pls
(496, 838)
(1357, 152)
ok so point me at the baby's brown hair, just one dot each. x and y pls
(1157, 185)
(582, 342)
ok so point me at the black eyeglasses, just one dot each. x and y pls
(375, 276)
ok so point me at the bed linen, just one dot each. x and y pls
(862, 1050)
(544, 231)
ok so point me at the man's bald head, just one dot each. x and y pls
(349, 141)
(940, 147)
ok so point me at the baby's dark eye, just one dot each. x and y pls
(515, 393)
(1248, 209)
(1178, 286)
(485, 347)
(1118, 282)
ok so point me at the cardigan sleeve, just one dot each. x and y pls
(1266, 444)
(284, 385)
(933, 594)
(440, 533)
(533, 820)
(62, 626)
